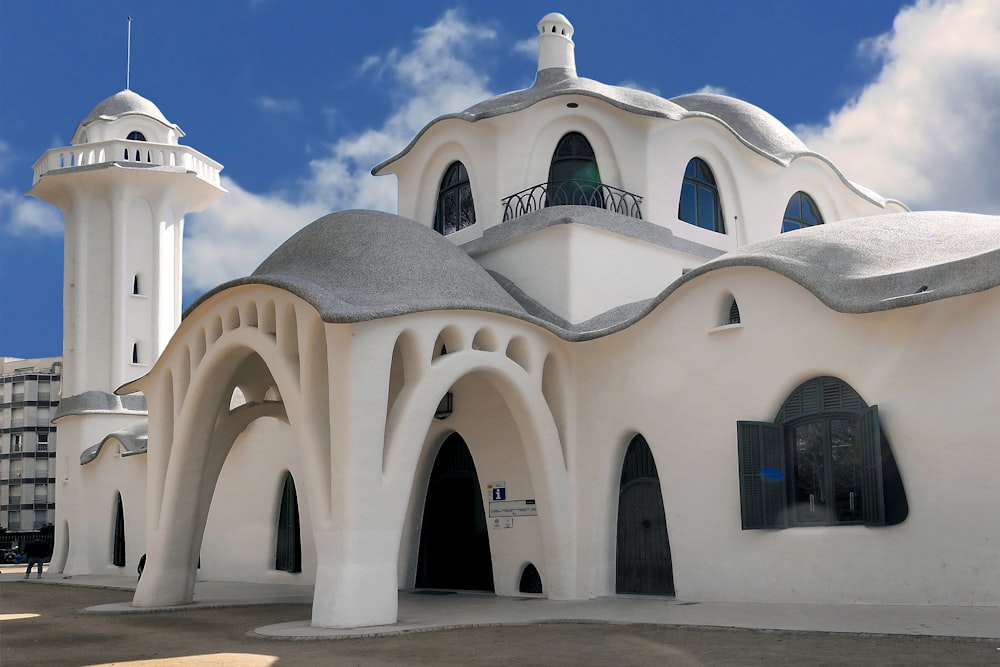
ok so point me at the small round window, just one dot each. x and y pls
(136, 136)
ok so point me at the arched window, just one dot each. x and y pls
(136, 136)
(455, 208)
(288, 551)
(824, 461)
(733, 316)
(800, 212)
(118, 544)
(700, 204)
(135, 353)
(135, 284)
(531, 580)
(574, 179)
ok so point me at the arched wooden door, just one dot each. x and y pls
(454, 543)
(643, 549)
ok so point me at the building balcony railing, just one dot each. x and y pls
(571, 193)
(120, 150)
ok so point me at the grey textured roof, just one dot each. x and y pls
(361, 265)
(134, 440)
(757, 127)
(99, 402)
(122, 103)
(356, 266)
(881, 262)
(752, 126)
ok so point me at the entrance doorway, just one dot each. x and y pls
(454, 543)
(643, 549)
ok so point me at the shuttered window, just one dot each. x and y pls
(824, 461)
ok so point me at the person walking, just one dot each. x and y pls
(36, 552)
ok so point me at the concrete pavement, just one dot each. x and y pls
(434, 610)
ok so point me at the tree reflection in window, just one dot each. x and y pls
(574, 178)
(455, 208)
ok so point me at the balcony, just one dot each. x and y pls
(122, 151)
(571, 193)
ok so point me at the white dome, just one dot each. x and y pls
(123, 103)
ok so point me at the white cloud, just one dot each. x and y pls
(927, 129)
(433, 77)
(710, 89)
(527, 47)
(276, 105)
(635, 85)
(21, 216)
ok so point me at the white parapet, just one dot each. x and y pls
(128, 152)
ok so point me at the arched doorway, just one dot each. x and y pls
(643, 549)
(574, 178)
(118, 542)
(454, 543)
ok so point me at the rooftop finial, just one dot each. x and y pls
(128, 54)
(555, 44)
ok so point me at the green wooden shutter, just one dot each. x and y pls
(870, 441)
(762, 475)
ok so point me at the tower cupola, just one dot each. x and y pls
(555, 44)
(126, 115)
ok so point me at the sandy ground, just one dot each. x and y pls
(46, 625)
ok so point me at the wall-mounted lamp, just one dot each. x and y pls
(444, 408)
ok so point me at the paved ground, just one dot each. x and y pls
(45, 623)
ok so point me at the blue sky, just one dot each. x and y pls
(298, 100)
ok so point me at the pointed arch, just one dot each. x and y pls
(288, 548)
(118, 540)
(454, 548)
(643, 561)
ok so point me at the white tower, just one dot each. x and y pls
(124, 186)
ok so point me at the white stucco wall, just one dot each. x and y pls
(696, 381)
(241, 532)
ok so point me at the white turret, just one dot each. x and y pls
(555, 44)
(124, 187)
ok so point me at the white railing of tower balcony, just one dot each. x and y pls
(123, 151)
(571, 193)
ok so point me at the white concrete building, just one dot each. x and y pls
(124, 186)
(583, 360)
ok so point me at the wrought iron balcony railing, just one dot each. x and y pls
(571, 193)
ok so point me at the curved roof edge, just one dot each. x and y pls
(99, 402)
(134, 440)
(880, 262)
(855, 266)
(551, 83)
(749, 124)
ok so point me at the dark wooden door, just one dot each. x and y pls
(454, 543)
(643, 549)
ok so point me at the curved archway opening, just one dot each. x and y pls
(454, 550)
